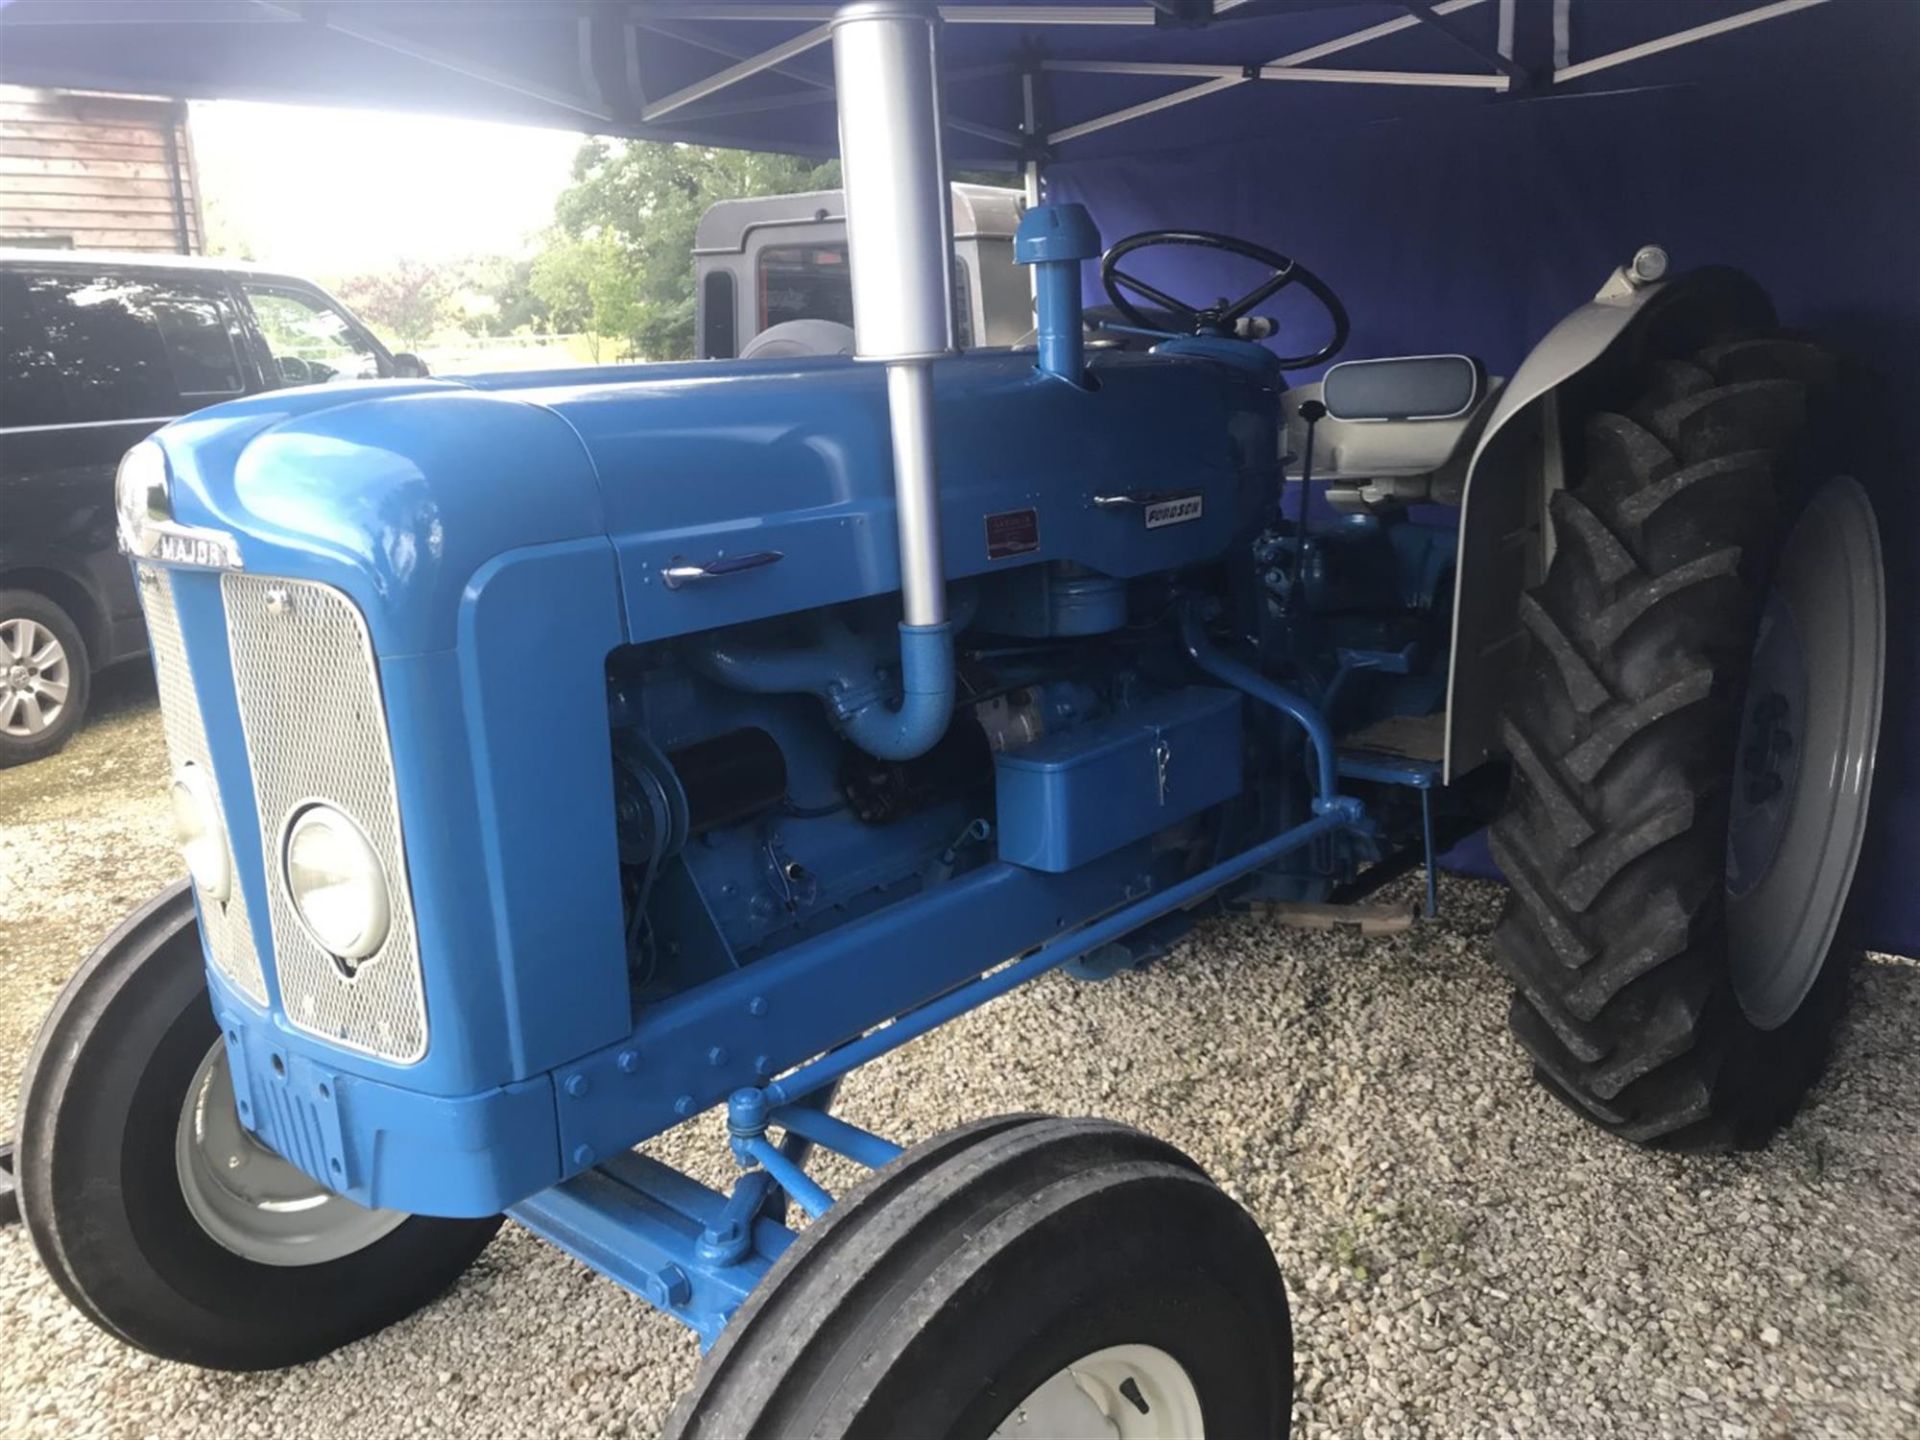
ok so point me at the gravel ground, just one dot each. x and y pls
(1465, 1258)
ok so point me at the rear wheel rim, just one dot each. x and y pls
(251, 1201)
(35, 676)
(1132, 1392)
(1808, 733)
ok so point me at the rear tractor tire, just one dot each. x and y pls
(1022, 1276)
(160, 1217)
(1692, 739)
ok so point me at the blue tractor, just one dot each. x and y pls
(558, 757)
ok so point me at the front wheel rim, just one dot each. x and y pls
(251, 1201)
(35, 677)
(1813, 704)
(1130, 1392)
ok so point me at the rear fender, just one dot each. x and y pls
(1519, 460)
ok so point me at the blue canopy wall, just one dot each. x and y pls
(1475, 230)
(1464, 205)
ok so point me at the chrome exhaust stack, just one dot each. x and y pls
(900, 252)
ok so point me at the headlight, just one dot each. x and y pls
(140, 494)
(196, 830)
(339, 890)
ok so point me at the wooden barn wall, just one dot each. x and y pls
(98, 172)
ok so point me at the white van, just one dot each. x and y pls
(779, 263)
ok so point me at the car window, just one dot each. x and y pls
(85, 348)
(804, 282)
(311, 341)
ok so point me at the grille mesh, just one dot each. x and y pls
(228, 931)
(317, 730)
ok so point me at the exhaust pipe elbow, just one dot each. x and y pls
(926, 698)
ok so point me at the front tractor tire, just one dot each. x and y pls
(1021, 1276)
(1675, 934)
(160, 1217)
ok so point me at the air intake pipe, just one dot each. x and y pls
(900, 249)
(1055, 239)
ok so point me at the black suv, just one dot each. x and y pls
(96, 352)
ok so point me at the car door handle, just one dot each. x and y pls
(679, 572)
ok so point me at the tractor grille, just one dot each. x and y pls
(316, 729)
(228, 930)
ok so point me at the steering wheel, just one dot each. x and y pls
(1222, 318)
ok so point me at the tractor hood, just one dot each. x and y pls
(396, 493)
(400, 493)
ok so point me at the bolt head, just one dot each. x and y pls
(757, 1005)
(683, 1106)
(577, 1086)
(717, 1056)
(628, 1061)
(1650, 263)
(675, 1285)
(583, 1155)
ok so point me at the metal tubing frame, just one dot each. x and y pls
(1566, 72)
(1124, 15)
(828, 1131)
(1213, 78)
(1269, 71)
(741, 70)
(1445, 79)
(777, 60)
(807, 1193)
(337, 20)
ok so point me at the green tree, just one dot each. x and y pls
(408, 300)
(626, 225)
(496, 293)
(586, 285)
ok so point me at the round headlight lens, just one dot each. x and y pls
(339, 890)
(196, 830)
(140, 493)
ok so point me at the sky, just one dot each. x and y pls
(329, 193)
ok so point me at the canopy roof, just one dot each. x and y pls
(1071, 80)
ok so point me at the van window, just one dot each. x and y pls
(716, 316)
(804, 282)
(962, 304)
(311, 341)
(83, 348)
(193, 325)
(812, 282)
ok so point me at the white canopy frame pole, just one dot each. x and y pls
(752, 65)
(642, 10)
(1030, 172)
(1442, 78)
(775, 58)
(1212, 79)
(1564, 73)
(357, 28)
(1284, 67)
